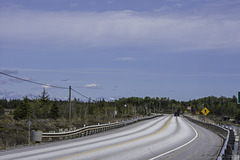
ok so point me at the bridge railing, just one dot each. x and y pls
(38, 136)
(226, 134)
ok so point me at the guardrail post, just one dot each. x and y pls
(60, 130)
(50, 138)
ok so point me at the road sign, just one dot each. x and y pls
(205, 111)
(29, 123)
(238, 97)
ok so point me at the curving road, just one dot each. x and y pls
(166, 137)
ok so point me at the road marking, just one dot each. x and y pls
(179, 146)
(181, 151)
(100, 149)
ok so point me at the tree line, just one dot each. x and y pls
(44, 108)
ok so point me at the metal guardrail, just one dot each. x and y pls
(94, 128)
(226, 134)
(224, 149)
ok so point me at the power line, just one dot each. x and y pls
(42, 84)
(38, 83)
(83, 95)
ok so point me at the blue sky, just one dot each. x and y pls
(182, 49)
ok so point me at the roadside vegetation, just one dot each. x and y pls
(51, 115)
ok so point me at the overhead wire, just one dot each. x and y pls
(38, 83)
(89, 98)
(43, 84)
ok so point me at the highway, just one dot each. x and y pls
(165, 137)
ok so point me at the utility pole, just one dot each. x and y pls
(70, 107)
(160, 105)
(115, 109)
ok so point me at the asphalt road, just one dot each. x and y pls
(165, 137)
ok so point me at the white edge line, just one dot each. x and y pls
(177, 147)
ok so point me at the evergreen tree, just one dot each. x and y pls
(1, 110)
(237, 115)
(54, 112)
(44, 108)
(23, 111)
(44, 98)
(4, 103)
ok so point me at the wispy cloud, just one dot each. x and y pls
(74, 4)
(15, 80)
(3, 81)
(46, 86)
(20, 81)
(84, 71)
(8, 94)
(64, 80)
(8, 71)
(119, 28)
(125, 59)
(92, 86)
(110, 2)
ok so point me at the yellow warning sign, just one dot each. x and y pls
(205, 111)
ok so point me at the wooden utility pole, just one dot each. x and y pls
(70, 107)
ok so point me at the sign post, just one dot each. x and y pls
(29, 132)
(205, 111)
(238, 101)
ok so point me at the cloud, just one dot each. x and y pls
(119, 29)
(8, 94)
(9, 71)
(109, 2)
(179, 5)
(74, 4)
(112, 99)
(15, 80)
(18, 80)
(3, 81)
(125, 59)
(78, 71)
(162, 9)
(46, 86)
(14, 95)
(92, 86)
(64, 80)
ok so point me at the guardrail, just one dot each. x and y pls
(88, 130)
(226, 134)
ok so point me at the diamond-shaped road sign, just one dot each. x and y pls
(205, 111)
